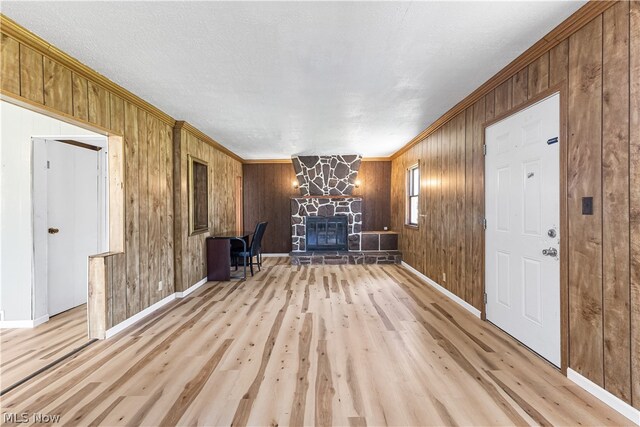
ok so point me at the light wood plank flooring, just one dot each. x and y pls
(312, 345)
(24, 351)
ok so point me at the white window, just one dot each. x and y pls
(413, 189)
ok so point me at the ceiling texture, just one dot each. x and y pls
(269, 80)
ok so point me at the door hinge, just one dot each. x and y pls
(485, 298)
(484, 149)
(484, 223)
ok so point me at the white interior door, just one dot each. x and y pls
(522, 205)
(73, 222)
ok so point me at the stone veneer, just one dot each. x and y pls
(301, 207)
(326, 175)
(342, 257)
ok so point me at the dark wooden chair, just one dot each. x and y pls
(255, 249)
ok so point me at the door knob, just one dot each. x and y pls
(53, 230)
(552, 252)
(552, 233)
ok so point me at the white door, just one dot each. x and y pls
(522, 205)
(73, 222)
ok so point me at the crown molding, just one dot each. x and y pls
(275, 161)
(181, 124)
(569, 26)
(27, 38)
(265, 161)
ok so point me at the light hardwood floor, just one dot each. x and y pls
(24, 351)
(323, 345)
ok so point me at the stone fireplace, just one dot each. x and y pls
(326, 219)
(303, 208)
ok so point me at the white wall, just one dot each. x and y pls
(17, 126)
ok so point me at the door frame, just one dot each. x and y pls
(99, 278)
(562, 90)
(39, 185)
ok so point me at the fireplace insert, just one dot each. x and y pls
(327, 233)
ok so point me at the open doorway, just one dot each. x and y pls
(70, 211)
(55, 214)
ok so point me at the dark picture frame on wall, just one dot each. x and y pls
(198, 196)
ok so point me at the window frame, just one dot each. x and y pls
(413, 191)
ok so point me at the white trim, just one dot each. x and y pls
(613, 401)
(147, 311)
(191, 289)
(444, 291)
(23, 324)
(16, 324)
(139, 316)
(274, 255)
(40, 320)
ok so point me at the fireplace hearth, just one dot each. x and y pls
(327, 233)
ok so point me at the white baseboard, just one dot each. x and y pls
(147, 311)
(444, 291)
(144, 313)
(274, 255)
(23, 324)
(40, 320)
(191, 289)
(613, 401)
(16, 324)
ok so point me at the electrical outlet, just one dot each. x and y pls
(160, 285)
(444, 277)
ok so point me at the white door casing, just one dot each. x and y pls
(522, 209)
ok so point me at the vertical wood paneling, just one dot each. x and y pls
(119, 268)
(634, 178)
(168, 208)
(460, 206)
(478, 204)
(142, 139)
(155, 235)
(132, 209)
(57, 86)
(144, 216)
(519, 87)
(615, 200)
(31, 75)
(98, 105)
(268, 189)
(188, 251)
(503, 95)
(10, 64)
(80, 97)
(116, 114)
(538, 76)
(375, 189)
(468, 232)
(585, 231)
(599, 109)
(559, 63)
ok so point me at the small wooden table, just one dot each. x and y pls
(218, 262)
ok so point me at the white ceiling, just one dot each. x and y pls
(273, 79)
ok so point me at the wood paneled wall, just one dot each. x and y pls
(268, 188)
(375, 189)
(598, 68)
(223, 171)
(41, 77)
